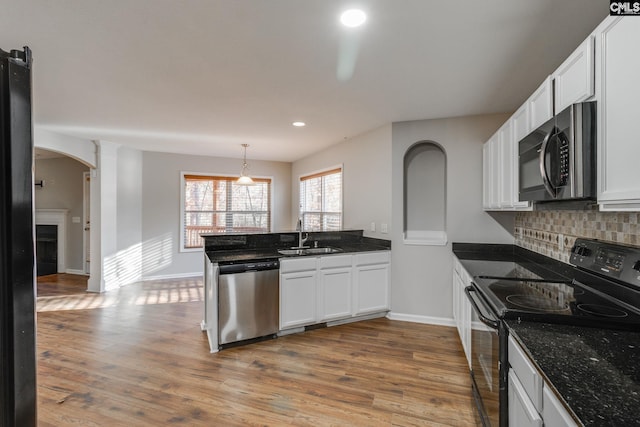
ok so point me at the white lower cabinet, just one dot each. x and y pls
(333, 287)
(553, 411)
(462, 307)
(298, 283)
(371, 278)
(522, 413)
(531, 400)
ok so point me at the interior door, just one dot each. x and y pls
(86, 213)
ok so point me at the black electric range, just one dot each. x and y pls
(604, 290)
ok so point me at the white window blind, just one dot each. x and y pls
(321, 201)
(215, 204)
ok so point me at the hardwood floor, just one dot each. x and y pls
(137, 357)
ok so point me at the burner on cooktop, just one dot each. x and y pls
(602, 310)
(536, 303)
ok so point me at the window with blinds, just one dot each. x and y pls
(321, 201)
(217, 204)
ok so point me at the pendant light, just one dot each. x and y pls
(244, 178)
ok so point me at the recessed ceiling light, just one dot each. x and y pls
(353, 18)
(299, 124)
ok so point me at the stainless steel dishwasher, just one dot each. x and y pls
(248, 301)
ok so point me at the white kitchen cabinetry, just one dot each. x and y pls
(298, 292)
(371, 279)
(531, 400)
(574, 79)
(553, 412)
(505, 157)
(462, 307)
(500, 171)
(520, 124)
(617, 70)
(334, 287)
(488, 199)
(522, 413)
(540, 104)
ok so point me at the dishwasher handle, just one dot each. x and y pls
(248, 266)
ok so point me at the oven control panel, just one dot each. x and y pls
(616, 261)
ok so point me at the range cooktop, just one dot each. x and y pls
(605, 291)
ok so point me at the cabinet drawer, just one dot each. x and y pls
(526, 372)
(297, 264)
(335, 261)
(372, 258)
(554, 413)
(521, 411)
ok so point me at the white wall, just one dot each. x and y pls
(63, 189)
(366, 178)
(129, 215)
(161, 206)
(421, 275)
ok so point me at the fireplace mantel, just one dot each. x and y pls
(56, 217)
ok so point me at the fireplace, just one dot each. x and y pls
(51, 233)
(46, 249)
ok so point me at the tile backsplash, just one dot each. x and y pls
(552, 233)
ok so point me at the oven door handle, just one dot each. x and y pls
(484, 319)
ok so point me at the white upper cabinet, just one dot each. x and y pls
(574, 79)
(618, 68)
(486, 175)
(540, 104)
(500, 170)
(491, 173)
(506, 157)
(520, 123)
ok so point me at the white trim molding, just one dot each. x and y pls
(56, 217)
(428, 320)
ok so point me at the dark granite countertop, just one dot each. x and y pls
(596, 371)
(261, 246)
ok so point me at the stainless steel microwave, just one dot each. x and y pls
(557, 161)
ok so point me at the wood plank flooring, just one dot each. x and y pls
(137, 357)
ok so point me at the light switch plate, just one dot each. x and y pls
(384, 228)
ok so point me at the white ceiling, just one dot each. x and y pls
(204, 76)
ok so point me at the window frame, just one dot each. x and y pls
(321, 172)
(182, 247)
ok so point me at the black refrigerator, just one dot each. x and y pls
(17, 278)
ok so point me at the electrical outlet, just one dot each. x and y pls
(383, 228)
(373, 226)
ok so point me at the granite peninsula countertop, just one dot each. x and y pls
(596, 372)
(231, 248)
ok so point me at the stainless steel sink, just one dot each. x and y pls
(309, 251)
(326, 250)
(290, 252)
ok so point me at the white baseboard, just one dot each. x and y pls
(78, 272)
(428, 320)
(172, 276)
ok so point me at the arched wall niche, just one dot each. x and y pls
(425, 194)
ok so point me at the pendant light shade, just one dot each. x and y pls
(244, 179)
